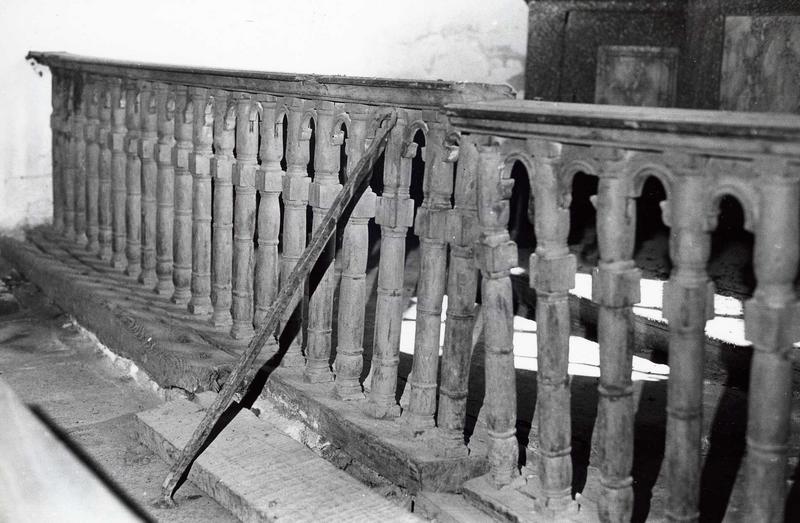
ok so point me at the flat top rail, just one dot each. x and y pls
(735, 133)
(373, 91)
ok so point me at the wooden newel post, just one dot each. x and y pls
(269, 181)
(182, 226)
(68, 183)
(615, 288)
(200, 167)
(395, 214)
(104, 191)
(496, 255)
(79, 135)
(222, 237)
(118, 161)
(133, 180)
(56, 122)
(92, 165)
(147, 149)
(244, 220)
(431, 227)
(552, 270)
(165, 186)
(352, 286)
(462, 287)
(322, 192)
(688, 303)
(772, 320)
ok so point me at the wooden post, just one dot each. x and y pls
(165, 186)
(352, 289)
(269, 180)
(615, 288)
(497, 254)
(295, 199)
(552, 270)
(92, 165)
(118, 161)
(395, 214)
(104, 173)
(68, 183)
(200, 167)
(322, 192)
(431, 227)
(462, 287)
(244, 220)
(133, 180)
(79, 135)
(771, 323)
(147, 145)
(222, 237)
(688, 303)
(56, 123)
(182, 226)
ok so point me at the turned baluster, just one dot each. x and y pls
(431, 228)
(352, 287)
(68, 182)
(79, 135)
(688, 303)
(222, 172)
(244, 219)
(118, 168)
(395, 214)
(322, 192)
(200, 167)
(104, 174)
(182, 226)
(56, 119)
(295, 199)
(462, 287)
(165, 186)
(496, 255)
(771, 323)
(615, 288)
(269, 181)
(133, 180)
(147, 144)
(552, 270)
(92, 166)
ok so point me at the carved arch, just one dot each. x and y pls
(742, 194)
(664, 176)
(566, 177)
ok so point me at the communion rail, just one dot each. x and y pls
(174, 174)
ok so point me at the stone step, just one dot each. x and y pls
(260, 474)
(443, 507)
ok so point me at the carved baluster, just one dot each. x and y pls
(771, 323)
(552, 270)
(295, 199)
(182, 227)
(462, 287)
(269, 181)
(615, 288)
(688, 303)
(497, 254)
(352, 290)
(322, 192)
(431, 228)
(104, 173)
(133, 180)
(56, 119)
(244, 220)
(118, 168)
(222, 171)
(79, 135)
(68, 182)
(200, 167)
(92, 166)
(395, 214)
(147, 145)
(165, 186)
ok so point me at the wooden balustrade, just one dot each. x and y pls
(137, 150)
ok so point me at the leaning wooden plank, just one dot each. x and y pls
(41, 480)
(355, 185)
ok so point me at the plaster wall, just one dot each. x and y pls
(469, 40)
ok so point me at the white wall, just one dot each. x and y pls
(471, 40)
